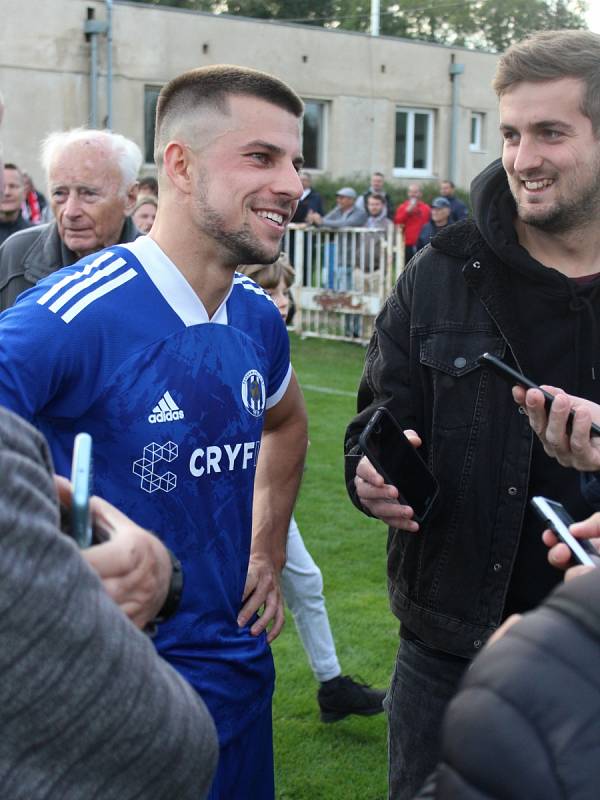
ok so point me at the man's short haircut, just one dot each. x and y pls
(381, 175)
(449, 182)
(127, 154)
(150, 182)
(550, 56)
(209, 88)
(145, 199)
(10, 165)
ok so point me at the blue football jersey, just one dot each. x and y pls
(120, 346)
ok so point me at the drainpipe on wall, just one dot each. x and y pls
(109, 67)
(92, 29)
(374, 17)
(455, 71)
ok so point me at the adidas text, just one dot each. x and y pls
(165, 416)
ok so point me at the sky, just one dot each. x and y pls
(593, 15)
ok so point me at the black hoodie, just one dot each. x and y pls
(556, 318)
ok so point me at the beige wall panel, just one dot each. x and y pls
(45, 62)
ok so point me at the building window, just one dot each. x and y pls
(414, 142)
(150, 98)
(313, 134)
(476, 133)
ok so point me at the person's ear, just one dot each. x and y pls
(176, 163)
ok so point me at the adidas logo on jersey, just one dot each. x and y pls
(167, 410)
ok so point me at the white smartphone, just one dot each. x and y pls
(558, 519)
(81, 481)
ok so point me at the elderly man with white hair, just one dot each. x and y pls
(92, 184)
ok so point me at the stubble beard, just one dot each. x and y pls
(239, 246)
(567, 215)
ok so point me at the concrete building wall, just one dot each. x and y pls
(45, 65)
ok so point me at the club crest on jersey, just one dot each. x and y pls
(254, 392)
(166, 410)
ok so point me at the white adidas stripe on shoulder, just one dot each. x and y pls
(80, 282)
(97, 293)
(53, 290)
(247, 283)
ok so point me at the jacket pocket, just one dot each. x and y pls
(450, 362)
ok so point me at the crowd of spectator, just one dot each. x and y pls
(374, 209)
(23, 206)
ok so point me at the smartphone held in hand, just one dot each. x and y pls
(514, 378)
(81, 481)
(398, 462)
(558, 519)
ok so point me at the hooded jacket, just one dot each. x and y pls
(474, 289)
(32, 254)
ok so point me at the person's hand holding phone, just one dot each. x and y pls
(133, 564)
(560, 556)
(380, 498)
(566, 440)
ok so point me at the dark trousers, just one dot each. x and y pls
(423, 683)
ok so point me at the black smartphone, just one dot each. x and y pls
(399, 463)
(81, 481)
(513, 377)
(557, 518)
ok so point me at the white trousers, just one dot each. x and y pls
(302, 585)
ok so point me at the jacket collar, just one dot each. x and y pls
(49, 253)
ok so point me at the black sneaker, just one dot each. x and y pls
(343, 696)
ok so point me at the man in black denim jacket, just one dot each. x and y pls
(517, 281)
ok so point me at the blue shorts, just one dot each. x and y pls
(245, 770)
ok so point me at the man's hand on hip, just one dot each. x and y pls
(262, 590)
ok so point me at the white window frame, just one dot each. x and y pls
(476, 142)
(323, 137)
(410, 171)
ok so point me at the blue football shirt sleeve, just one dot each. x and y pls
(47, 368)
(280, 371)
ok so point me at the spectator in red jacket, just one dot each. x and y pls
(412, 214)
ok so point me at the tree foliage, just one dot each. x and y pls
(488, 24)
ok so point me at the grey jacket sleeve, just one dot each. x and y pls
(356, 219)
(87, 708)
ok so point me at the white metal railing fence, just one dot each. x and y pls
(342, 278)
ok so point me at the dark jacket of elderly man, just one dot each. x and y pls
(30, 255)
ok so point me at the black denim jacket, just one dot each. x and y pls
(448, 582)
